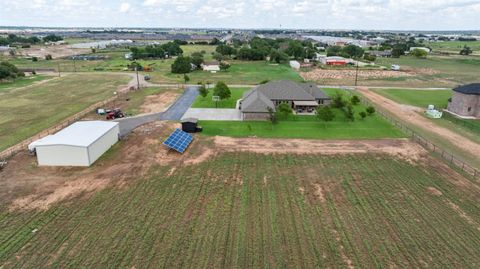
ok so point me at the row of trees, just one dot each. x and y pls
(185, 64)
(13, 39)
(278, 50)
(349, 51)
(221, 90)
(157, 51)
(9, 71)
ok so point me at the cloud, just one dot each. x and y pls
(125, 7)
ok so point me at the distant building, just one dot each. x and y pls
(212, 66)
(465, 101)
(420, 48)
(334, 60)
(381, 54)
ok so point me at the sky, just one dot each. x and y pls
(284, 14)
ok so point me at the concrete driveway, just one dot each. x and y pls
(174, 112)
(213, 114)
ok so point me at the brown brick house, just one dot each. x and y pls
(466, 101)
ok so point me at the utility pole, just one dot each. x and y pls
(356, 75)
(138, 81)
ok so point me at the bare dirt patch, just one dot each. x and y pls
(406, 113)
(59, 51)
(158, 103)
(321, 74)
(402, 148)
(464, 215)
(319, 192)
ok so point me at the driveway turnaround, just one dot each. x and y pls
(174, 112)
(213, 114)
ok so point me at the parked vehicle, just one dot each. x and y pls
(147, 77)
(115, 114)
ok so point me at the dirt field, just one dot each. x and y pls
(411, 115)
(320, 74)
(26, 186)
(59, 51)
(158, 103)
(227, 205)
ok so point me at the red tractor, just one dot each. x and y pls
(115, 114)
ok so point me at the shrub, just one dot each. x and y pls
(34, 59)
(337, 100)
(203, 91)
(370, 110)
(284, 110)
(349, 113)
(325, 113)
(355, 100)
(363, 114)
(48, 57)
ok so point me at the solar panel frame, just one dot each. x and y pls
(178, 141)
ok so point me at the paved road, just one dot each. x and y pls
(174, 112)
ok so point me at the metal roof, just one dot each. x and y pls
(469, 89)
(79, 134)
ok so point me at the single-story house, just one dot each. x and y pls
(212, 66)
(466, 101)
(335, 60)
(301, 97)
(80, 144)
(381, 54)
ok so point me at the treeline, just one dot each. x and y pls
(9, 71)
(278, 50)
(398, 48)
(157, 51)
(13, 39)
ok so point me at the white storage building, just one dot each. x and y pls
(80, 144)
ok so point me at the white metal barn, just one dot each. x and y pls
(80, 144)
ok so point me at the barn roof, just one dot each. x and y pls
(473, 89)
(79, 134)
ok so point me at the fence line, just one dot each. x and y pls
(449, 157)
(9, 152)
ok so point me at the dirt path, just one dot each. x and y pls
(411, 115)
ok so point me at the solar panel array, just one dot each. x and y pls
(178, 141)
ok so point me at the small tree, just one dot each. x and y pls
(325, 113)
(355, 100)
(337, 100)
(284, 110)
(466, 50)
(203, 91)
(94, 50)
(349, 112)
(224, 66)
(271, 115)
(222, 90)
(48, 57)
(34, 59)
(370, 110)
(186, 78)
(419, 53)
(363, 114)
(181, 65)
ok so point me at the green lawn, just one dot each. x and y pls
(435, 71)
(308, 127)
(454, 46)
(29, 110)
(419, 98)
(241, 72)
(245, 210)
(21, 82)
(207, 102)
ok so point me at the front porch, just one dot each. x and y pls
(305, 107)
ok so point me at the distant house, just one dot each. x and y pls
(301, 97)
(420, 48)
(465, 101)
(212, 66)
(381, 54)
(334, 60)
